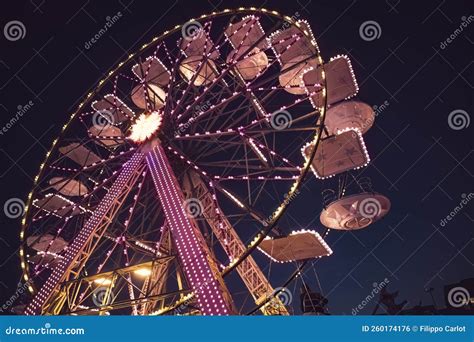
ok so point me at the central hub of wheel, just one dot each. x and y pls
(146, 126)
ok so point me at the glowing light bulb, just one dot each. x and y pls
(145, 126)
(143, 272)
(103, 281)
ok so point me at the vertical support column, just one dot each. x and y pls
(197, 263)
(85, 236)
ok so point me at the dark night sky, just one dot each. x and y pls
(419, 162)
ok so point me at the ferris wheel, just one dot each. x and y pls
(164, 191)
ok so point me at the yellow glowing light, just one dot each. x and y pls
(143, 272)
(145, 126)
(102, 281)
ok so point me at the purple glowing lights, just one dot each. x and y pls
(187, 237)
(129, 168)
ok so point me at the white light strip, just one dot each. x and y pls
(240, 204)
(297, 232)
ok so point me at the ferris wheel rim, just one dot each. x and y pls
(112, 73)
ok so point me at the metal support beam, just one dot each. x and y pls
(46, 300)
(199, 267)
(256, 282)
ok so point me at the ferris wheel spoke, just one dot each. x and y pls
(229, 131)
(196, 49)
(240, 164)
(257, 284)
(209, 109)
(264, 84)
(221, 76)
(265, 173)
(255, 103)
(170, 104)
(153, 97)
(201, 111)
(191, 48)
(69, 206)
(94, 227)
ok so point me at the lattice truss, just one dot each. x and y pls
(156, 193)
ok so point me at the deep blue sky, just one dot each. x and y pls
(420, 163)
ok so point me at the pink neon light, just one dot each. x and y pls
(34, 308)
(188, 239)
